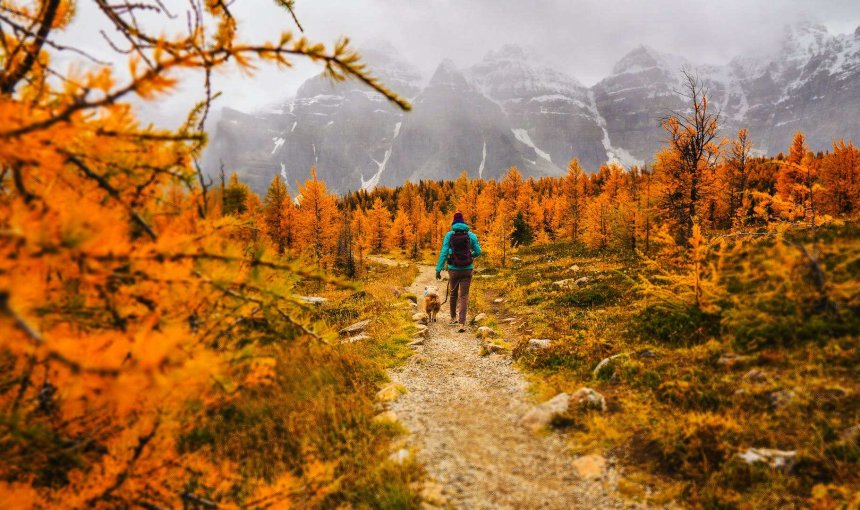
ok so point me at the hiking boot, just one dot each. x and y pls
(453, 322)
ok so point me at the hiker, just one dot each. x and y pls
(459, 248)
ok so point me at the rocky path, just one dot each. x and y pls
(463, 411)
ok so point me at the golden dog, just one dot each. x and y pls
(431, 303)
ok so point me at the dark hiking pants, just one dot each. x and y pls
(460, 280)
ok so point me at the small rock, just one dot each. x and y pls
(648, 354)
(421, 318)
(516, 259)
(385, 418)
(777, 459)
(479, 318)
(590, 467)
(730, 359)
(485, 332)
(509, 319)
(358, 327)
(605, 363)
(781, 398)
(314, 300)
(542, 415)
(494, 348)
(357, 338)
(564, 284)
(400, 456)
(417, 342)
(588, 398)
(539, 343)
(581, 281)
(499, 301)
(389, 393)
(573, 269)
(755, 376)
(422, 330)
(851, 434)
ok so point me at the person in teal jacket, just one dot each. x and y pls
(459, 276)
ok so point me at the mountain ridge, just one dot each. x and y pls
(510, 108)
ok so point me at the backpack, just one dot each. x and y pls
(461, 249)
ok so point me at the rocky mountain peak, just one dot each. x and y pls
(447, 75)
(644, 57)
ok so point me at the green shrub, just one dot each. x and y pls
(675, 325)
(593, 295)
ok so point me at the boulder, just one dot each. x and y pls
(421, 318)
(581, 281)
(604, 363)
(777, 459)
(481, 317)
(590, 467)
(390, 393)
(539, 343)
(542, 415)
(356, 328)
(485, 332)
(587, 398)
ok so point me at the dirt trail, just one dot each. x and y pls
(463, 409)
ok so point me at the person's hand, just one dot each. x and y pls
(438, 275)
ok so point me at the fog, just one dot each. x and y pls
(581, 37)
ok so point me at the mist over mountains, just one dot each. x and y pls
(512, 108)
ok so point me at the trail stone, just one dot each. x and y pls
(358, 327)
(417, 342)
(542, 415)
(590, 467)
(778, 459)
(604, 363)
(485, 332)
(479, 318)
(539, 343)
(400, 456)
(421, 317)
(587, 398)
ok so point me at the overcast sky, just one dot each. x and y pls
(582, 37)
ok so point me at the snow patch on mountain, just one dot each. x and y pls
(483, 159)
(523, 136)
(374, 180)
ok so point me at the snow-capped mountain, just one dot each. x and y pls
(512, 109)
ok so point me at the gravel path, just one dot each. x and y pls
(463, 409)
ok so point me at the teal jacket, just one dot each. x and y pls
(446, 247)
